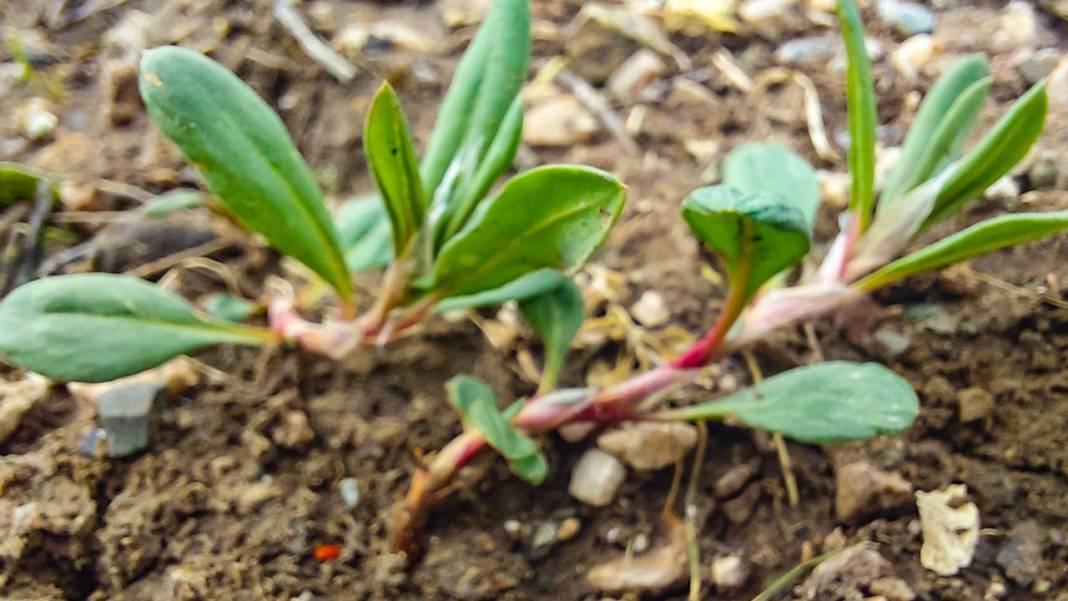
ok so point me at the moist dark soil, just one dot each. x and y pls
(229, 502)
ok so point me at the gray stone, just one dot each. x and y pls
(1038, 64)
(126, 415)
(1043, 174)
(864, 491)
(349, 489)
(808, 50)
(1021, 557)
(909, 18)
(890, 344)
(596, 478)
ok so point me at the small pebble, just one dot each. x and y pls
(596, 478)
(36, 121)
(544, 538)
(808, 51)
(635, 74)
(514, 529)
(729, 573)
(1017, 26)
(893, 589)
(890, 344)
(1038, 64)
(909, 18)
(649, 446)
(569, 528)
(126, 414)
(349, 489)
(640, 544)
(914, 54)
(974, 404)
(864, 491)
(651, 309)
(1003, 189)
(1043, 174)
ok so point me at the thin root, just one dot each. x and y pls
(783, 453)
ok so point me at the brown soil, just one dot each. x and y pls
(225, 506)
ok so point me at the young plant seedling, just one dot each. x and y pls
(445, 240)
(758, 222)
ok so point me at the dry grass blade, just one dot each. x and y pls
(817, 131)
(598, 105)
(785, 462)
(314, 47)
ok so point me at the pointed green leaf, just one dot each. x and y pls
(228, 307)
(484, 86)
(498, 159)
(826, 402)
(98, 327)
(981, 238)
(477, 406)
(556, 315)
(941, 125)
(391, 159)
(774, 170)
(19, 182)
(531, 284)
(755, 235)
(245, 154)
(174, 201)
(1006, 144)
(365, 233)
(549, 217)
(860, 98)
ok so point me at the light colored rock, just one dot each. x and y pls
(729, 573)
(834, 188)
(649, 445)
(596, 478)
(558, 121)
(974, 404)
(892, 589)
(864, 491)
(1033, 66)
(1057, 84)
(349, 489)
(635, 74)
(568, 529)
(176, 375)
(126, 416)
(914, 54)
(35, 119)
(653, 572)
(910, 18)
(757, 12)
(651, 310)
(1017, 26)
(950, 529)
(890, 344)
(293, 432)
(808, 51)
(1005, 188)
(856, 568)
(735, 478)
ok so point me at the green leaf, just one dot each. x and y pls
(981, 238)
(556, 315)
(98, 327)
(245, 154)
(1003, 146)
(477, 406)
(19, 182)
(174, 201)
(860, 99)
(390, 156)
(484, 86)
(826, 402)
(531, 284)
(365, 233)
(549, 217)
(230, 308)
(941, 125)
(755, 235)
(498, 159)
(776, 171)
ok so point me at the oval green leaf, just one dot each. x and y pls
(755, 235)
(391, 159)
(175, 201)
(556, 315)
(981, 238)
(550, 217)
(477, 406)
(19, 182)
(772, 169)
(1006, 144)
(365, 233)
(827, 402)
(99, 327)
(245, 154)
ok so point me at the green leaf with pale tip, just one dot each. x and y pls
(1005, 145)
(99, 327)
(551, 217)
(531, 284)
(245, 154)
(755, 235)
(556, 315)
(391, 159)
(828, 402)
(863, 120)
(365, 233)
(175, 201)
(776, 171)
(981, 238)
(477, 406)
(19, 182)
(942, 124)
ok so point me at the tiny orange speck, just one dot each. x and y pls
(327, 552)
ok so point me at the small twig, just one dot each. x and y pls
(693, 550)
(673, 492)
(1013, 288)
(813, 342)
(124, 189)
(312, 45)
(734, 74)
(785, 462)
(817, 131)
(162, 264)
(596, 103)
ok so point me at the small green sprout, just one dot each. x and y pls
(445, 239)
(758, 222)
